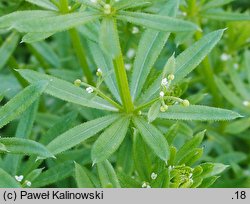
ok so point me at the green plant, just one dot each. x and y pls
(124, 120)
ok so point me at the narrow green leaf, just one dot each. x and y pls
(107, 175)
(142, 166)
(238, 126)
(58, 128)
(216, 3)
(7, 181)
(230, 95)
(35, 37)
(43, 4)
(32, 176)
(21, 102)
(54, 174)
(153, 137)
(108, 39)
(238, 83)
(150, 47)
(199, 113)
(129, 4)
(110, 140)
(9, 20)
(187, 61)
(193, 56)
(56, 23)
(162, 23)
(26, 147)
(79, 134)
(247, 65)
(47, 53)
(105, 63)
(82, 178)
(219, 15)
(189, 146)
(154, 111)
(8, 48)
(67, 91)
(207, 182)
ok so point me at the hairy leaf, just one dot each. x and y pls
(110, 140)
(21, 102)
(199, 113)
(26, 147)
(67, 91)
(162, 23)
(79, 133)
(153, 137)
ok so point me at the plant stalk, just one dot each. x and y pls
(77, 45)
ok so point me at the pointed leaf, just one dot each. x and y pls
(25, 146)
(157, 22)
(150, 46)
(153, 137)
(43, 4)
(225, 16)
(82, 178)
(199, 113)
(109, 37)
(8, 48)
(110, 140)
(9, 20)
(79, 134)
(187, 61)
(67, 91)
(107, 175)
(56, 23)
(7, 181)
(21, 102)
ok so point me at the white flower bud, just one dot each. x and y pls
(78, 82)
(90, 90)
(164, 82)
(99, 72)
(185, 103)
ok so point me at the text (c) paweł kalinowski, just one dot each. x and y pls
(59, 195)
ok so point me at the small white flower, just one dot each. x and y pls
(19, 178)
(153, 176)
(246, 103)
(28, 183)
(225, 57)
(144, 185)
(90, 90)
(190, 175)
(164, 82)
(162, 94)
(148, 186)
(93, 1)
(135, 30)
(99, 72)
(236, 66)
(131, 53)
(128, 66)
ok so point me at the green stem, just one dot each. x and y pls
(122, 79)
(76, 41)
(156, 99)
(101, 94)
(77, 45)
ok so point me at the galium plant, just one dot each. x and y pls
(129, 113)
